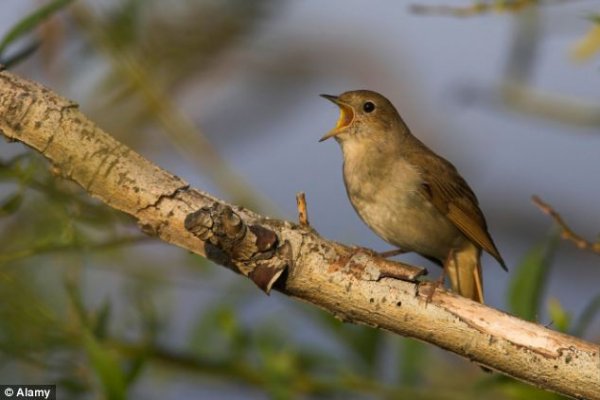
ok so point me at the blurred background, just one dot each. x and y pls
(225, 95)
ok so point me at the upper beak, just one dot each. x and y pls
(345, 119)
(330, 97)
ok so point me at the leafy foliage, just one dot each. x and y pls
(526, 288)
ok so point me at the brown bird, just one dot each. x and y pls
(407, 194)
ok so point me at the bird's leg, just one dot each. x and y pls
(441, 280)
(451, 258)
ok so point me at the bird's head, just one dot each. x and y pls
(364, 114)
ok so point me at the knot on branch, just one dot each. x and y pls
(253, 249)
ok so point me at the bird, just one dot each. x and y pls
(408, 195)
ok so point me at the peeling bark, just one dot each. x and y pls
(355, 285)
(253, 250)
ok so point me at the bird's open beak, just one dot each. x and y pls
(345, 119)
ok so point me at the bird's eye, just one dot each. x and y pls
(368, 107)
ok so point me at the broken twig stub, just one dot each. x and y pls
(302, 211)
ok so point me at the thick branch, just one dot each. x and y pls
(354, 285)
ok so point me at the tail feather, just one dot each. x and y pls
(478, 278)
(464, 271)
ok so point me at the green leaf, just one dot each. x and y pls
(122, 28)
(512, 389)
(594, 18)
(527, 287)
(11, 204)
(219, 336)
(20, 168)
(104, 363)
(74, 386)
(74, 296)
(106, 366)
(413, 359)
(30, 22)
(20, 55)
(364, 342)
(277, 362)
(102, 319)
(6, 171)
(560, 318)
(587, 316)
(520, 391)
(135, 367)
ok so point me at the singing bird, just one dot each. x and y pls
(407, 194)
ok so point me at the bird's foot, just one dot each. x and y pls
(435, 285)
(359, 249)
(439, 283)
(391, 253)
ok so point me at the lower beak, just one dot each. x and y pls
(345, 119)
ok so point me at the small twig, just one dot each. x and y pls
(478, 8)
(302, 213)
(467, 11)
(566, 232)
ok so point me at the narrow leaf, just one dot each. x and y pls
(218, 335)
(527, 286)
(106, 366)
(102, 360)
(560, 318)
(587, 316)
(413, 360)
(102, 320)
(20, 55)
(363, 342)
(587, 46)
(135, 367)
(30, 22)
(11, 204)
(74, 296)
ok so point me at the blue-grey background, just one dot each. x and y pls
(258, 105)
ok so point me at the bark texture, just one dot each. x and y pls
(355, 285)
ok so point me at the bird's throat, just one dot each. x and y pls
(346, 117)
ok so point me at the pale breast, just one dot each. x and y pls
(393, 206)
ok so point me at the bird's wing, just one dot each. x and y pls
(453, 197)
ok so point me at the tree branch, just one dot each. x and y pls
(566, 232)
(356, 286)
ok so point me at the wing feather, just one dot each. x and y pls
(453, 197)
